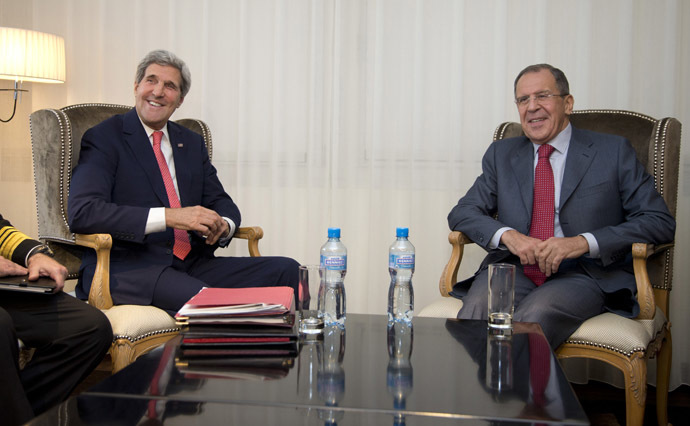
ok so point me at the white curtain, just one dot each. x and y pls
(369, 115)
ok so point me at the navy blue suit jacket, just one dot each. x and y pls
(117, 181)
(605, 191)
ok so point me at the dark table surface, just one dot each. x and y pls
(435, 372)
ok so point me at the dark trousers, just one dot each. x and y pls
(178, 283)
(560, 305)
(70, 339)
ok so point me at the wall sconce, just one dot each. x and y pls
(30, 56)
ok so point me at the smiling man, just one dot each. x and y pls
(564, 205)
(149, 183)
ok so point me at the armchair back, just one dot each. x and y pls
(657, 144)
(56, 141)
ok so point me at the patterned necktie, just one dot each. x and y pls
(539, 367)
(182, 246)
(542, 208)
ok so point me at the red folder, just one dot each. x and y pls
(254, 305)
(252, 300)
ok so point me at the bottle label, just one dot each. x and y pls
(334, 263)
(401, 261)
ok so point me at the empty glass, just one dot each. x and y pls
(309, 281)
(501, 295)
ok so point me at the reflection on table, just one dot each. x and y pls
(357, 374)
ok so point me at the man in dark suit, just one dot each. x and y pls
(149, 183)
(69, 337)
(570, 238)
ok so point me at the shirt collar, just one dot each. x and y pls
(560, 142)
(149, 131)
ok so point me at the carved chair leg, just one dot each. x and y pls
(121, 355)
(635, 391)
(663, 371)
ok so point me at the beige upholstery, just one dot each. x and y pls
(446, 307)
(623, 343)
(56, 141)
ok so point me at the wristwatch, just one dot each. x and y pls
(42, 249)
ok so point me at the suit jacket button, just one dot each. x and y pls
(168, 252)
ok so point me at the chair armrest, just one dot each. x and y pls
(645, 293)
(450, 273)
(99, 295)
(252, 234)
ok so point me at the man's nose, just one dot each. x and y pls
(532, 104)
(158, 90)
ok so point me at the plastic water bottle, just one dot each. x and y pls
(332, 289)
(401, 268)
(399, 372)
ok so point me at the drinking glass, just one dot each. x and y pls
(501, 295)
(309, 281)
(499, 360)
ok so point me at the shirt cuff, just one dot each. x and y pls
(496, 239)
(30, 253)
(224, 241)
(593, 245)
(156, 221)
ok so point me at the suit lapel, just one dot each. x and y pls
(183, 175)
(523, 168)
(135, 137)
(580, 156)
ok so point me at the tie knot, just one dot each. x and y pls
(157, 136)
(545, 150)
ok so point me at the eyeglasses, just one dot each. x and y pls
(539, 98)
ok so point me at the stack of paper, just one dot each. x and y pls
(256, 305)
(222, 325)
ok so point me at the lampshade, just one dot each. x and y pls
(31, 56)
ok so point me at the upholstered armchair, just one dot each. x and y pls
(56, 141)
(623, 343)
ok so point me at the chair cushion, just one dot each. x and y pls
(614, 332)
(446, 307)
(136, 322)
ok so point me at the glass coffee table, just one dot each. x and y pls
(435, 372)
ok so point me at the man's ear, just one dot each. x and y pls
(569, 103)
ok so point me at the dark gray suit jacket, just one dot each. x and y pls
(605, 191)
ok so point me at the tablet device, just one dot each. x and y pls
(22, 283)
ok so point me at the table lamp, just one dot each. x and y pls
(32, 56)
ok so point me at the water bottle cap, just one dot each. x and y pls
(333, 232)
(401, 232)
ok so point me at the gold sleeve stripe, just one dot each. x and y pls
(10, 238)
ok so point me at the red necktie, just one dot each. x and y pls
(539, 367)
(542, 208)
(182, 246)
(162, 374)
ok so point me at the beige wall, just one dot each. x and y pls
(16, 171)
(16, 177)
